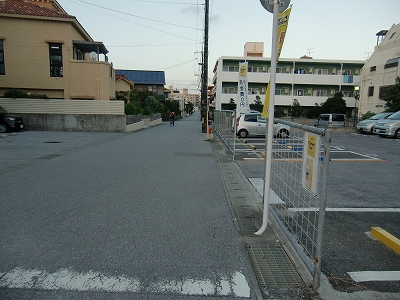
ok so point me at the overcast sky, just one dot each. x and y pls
(167, 35)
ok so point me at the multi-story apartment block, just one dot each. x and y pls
(44, 50)
(308, 80)
(380, 71)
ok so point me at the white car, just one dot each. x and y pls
(253, 124)
(389, 127)
(368, 124)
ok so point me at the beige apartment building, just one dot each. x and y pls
(44, 50)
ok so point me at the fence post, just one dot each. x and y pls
(322, 208)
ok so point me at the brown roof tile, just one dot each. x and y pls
(20, 7)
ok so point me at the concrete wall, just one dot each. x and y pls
(65, 122)
(75, 115)
(85, 123)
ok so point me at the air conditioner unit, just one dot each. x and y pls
(286, 91)
(262, 90)
(309, 91)
(287, 69)
(332, 92)
(334, 71)
(356, 71)
(311, 69)
(264, 68)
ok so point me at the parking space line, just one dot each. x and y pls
(363, 276)
(386, 238)
(348, 209)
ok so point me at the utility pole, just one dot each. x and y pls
(204, 86)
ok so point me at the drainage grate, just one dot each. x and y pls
(273, 267)
(222, 160)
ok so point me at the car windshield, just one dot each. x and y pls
(3, 111)
(395, 116)
(378, 116)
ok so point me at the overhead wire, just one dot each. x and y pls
(196, 42)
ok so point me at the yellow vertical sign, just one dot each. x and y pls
(311, 144)
(283, 20)
(310, 162)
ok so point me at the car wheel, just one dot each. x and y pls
(283, 134)
(397, 134)
(242, 133)
(3, 128)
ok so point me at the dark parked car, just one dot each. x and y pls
(10, 122)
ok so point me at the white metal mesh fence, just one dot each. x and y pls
(299, 210)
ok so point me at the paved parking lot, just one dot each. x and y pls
(363, 192)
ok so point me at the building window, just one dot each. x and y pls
(230, 69)
(279, 70)
(370, 91)
(321, 71)
(278, 92)
(253, 69)
(392, 63)
(300, 92)
(299, 71)
(56, 66)
(254, 91)
(228, 90)
(383, 91)
(346, 72)
(372, 69)
(152, 88)
(2, 65)
(392, 35)
(320, 93)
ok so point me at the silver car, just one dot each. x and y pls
(389, 127)
(368, 124)
(253, 124)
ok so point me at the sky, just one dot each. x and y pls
(168, 35)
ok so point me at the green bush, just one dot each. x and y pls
(37, 96)
(133, 108)
(15, 94)
(22, 94)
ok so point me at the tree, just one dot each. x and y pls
(257, 105)
(314, 112)
(189, 107)
(393, 97)
(295, 110)
(335, 104)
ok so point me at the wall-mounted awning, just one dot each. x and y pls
(88, 46)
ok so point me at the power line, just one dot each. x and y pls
(159, 45)
(179, 64)
(131, 15)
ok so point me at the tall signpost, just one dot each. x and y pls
(204, 86)
(275, 7)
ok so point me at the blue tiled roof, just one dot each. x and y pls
(143, 77)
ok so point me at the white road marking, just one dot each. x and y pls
(258, 183)
(347, 209)
(375, 276)
(234, 285)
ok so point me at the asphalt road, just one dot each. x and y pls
(363, 185)
(142, 215)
